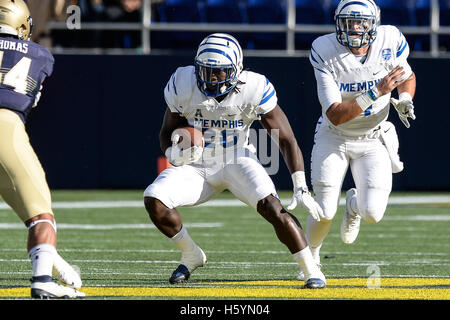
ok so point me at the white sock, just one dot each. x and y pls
(315, 253)
(306, 261)
(184, 241)
(42, 257)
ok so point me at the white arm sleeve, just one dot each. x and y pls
(327, 88)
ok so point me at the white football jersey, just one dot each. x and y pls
(226, 124)
(341, 76)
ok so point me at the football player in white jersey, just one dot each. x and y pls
(356, 69)
(219, 98)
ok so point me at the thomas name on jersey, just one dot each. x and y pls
(11, 45)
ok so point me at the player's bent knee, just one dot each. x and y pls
(373, 214)
(328, 213)
(373, 219)
(154, 206)
(270, 208)
(327, 198)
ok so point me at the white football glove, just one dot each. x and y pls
(303, 196)
(178, 157)
(404, 107)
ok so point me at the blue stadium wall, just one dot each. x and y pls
(99, 117)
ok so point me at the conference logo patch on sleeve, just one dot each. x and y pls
(386, 54)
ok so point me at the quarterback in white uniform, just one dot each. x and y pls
(221, 100)
(356, 69)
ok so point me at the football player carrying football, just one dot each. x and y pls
(356, 68)
(23, 186)
(218, 97)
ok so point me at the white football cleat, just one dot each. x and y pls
(351, 221)
(53, 290)
(65, 273)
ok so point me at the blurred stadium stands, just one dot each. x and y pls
(262, 26)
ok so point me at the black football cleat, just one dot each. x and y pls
(180, 275)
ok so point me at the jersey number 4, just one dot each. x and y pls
(17, 76)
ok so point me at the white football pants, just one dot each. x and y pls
(371, 170)
(190, 185)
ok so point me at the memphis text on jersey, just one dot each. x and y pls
(358, 86)
(199, 121)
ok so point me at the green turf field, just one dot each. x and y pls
(121, 255)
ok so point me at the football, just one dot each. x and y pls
(189, 136)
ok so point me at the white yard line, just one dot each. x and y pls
(11, 226)
(221, 264)
(224, 202)
(245, 252)
(77, 226)
(435, 199)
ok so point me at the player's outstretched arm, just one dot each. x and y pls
(277, 125)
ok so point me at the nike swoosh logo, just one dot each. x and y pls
(375, 73)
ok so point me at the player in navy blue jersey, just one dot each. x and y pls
(23, 66)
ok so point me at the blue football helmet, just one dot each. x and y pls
(218, 64)
(356, 22)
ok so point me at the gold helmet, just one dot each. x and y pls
(15, 19)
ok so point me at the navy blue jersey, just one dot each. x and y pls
(23, 66)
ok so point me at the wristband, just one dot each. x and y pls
(299, 179)
(373, 93)
(366, 99)
(404, 96)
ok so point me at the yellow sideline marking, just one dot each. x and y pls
(350, 288)
(384, 282)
